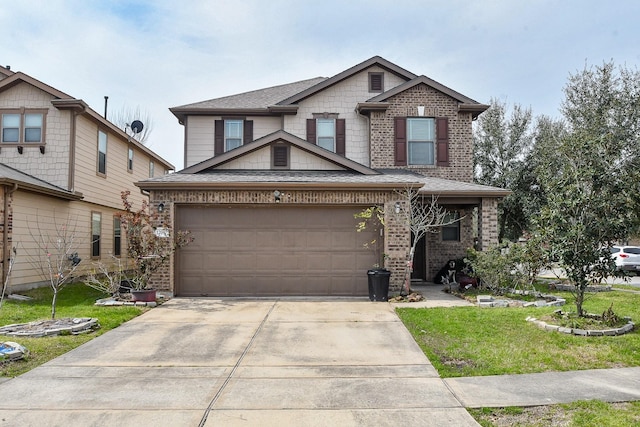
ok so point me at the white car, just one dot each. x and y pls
(627, 258)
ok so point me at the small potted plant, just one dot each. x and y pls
(147, 247)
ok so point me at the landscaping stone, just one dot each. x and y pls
(115, 302)
(582, 332)
(43, 328)
(10, 350)
(484, 298)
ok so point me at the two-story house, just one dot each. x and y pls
(62, 170)
(273, 178)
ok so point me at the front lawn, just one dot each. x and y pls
(577, 414)
(471, 341)
(75, 300)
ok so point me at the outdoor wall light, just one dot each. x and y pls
(161, 207)
(397, 207)
(276, 196)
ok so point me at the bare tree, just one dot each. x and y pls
(105, 278)
(55, 255)
(124, 117)
(421, 215)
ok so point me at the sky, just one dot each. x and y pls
(153, 55)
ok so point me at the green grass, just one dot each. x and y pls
(593, 413)
(74, 300)
(470, 341)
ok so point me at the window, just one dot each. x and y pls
(32, 127)
(151, 169)
(420, 141)
(102, 152)
(326, 134)
(451, 232)
(96, 231)
(326, 130)
(130, 160)
(232, 134)
(376, 82)
(280, 156)
(24, 126)
(117, 236)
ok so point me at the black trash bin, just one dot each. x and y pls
(379, 284)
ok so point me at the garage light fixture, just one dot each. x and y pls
(161, 207)
(276, 196)
(397, 207)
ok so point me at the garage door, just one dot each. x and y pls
(272, 251)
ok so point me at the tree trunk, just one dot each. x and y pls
(53, 304)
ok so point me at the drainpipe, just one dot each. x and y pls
(5, 235)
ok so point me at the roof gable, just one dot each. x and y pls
(280, 135)
(464, 103)
(64, 101)
(20, 77)
(376, 60)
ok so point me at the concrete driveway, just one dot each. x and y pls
(212, 362)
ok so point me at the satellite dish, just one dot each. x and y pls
(137, 126)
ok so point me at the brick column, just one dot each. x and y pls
(488, 223)
(397, 243)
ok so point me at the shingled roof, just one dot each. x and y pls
(9, 175)
(256, 101)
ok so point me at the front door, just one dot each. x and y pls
(420, 261)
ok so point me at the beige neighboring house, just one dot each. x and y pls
(273, 178)
(62, 165)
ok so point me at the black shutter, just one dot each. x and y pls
(442, 140)
(340, 137)
(400, 139)
(218, 147)
(311, 130)
(247, 128)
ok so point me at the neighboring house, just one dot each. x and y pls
(62, 165)
(273, 178)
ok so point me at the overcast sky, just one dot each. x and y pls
(166, 53)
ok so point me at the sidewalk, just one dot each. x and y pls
(548, 388)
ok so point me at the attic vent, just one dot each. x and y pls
(376, 82)
(280, 156)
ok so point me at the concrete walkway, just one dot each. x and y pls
(212, 362)
(208, 362)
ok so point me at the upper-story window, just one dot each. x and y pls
(102, 152)
(23, 126)
(130, 160)
(421, 141)
(231, 133)
(327, 131)
(151, 169)
(326, 134)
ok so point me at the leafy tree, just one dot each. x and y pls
(589, 174)
(502, 143)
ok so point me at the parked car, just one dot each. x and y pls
(627, 258)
